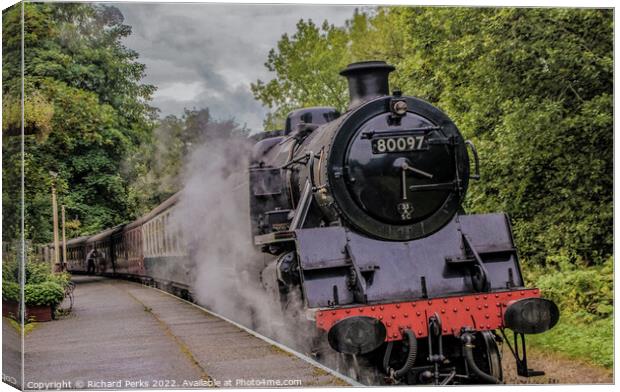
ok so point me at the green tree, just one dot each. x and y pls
(533, 89)
(86, 111)
(306, 65)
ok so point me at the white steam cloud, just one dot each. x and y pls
(213, 214)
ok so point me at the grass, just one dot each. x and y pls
(584, 294)
(29, 327)
(591, 342)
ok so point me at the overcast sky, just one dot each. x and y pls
(206, 55)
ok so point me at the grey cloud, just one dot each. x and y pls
(222, 47)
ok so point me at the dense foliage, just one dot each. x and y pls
(85, 112)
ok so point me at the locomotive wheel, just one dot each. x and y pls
(488, 356)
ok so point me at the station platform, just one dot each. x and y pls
(125, 335)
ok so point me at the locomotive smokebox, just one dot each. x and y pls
(367, 80)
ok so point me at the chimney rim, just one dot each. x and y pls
(366, 66)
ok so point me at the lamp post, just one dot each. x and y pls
(56, 265)
(63, 266)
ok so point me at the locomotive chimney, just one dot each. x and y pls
(367, 80)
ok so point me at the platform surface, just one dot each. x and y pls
(124, 335)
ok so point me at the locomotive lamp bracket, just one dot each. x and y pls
(358, 282)
(398, 107)
(480, 274)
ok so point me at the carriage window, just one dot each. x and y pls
(164, 246)
(152, 233)
(163, 236)
(153, 239)
(150, 238)
(159, 237)
(170, 234)
(165, 230)
(146, 239)
(151, 247)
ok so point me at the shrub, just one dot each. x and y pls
(62, 279)
(580, 290)
(42, 286)
(46, 294)
(37, 272)
(10, 271)
(10, 291)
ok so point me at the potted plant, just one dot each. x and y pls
(43, 291)
(10, 299)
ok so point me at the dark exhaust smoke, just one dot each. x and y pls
(367, 80)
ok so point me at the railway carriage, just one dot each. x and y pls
(107, 244)
(131, 259)
(76, 254)
(166, 259)
(149, 249)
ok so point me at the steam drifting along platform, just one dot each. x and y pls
(125, 335)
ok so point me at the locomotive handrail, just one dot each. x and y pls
(476, 175)
(311, 170)
(302, 208)
(371, 134)
(302, 160)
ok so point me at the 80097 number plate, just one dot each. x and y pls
(405, 143)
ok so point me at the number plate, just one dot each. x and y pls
(405, 143)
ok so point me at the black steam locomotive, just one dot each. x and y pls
(362, 212)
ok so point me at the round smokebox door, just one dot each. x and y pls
(398, 174)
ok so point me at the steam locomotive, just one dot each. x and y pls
(361, 214)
